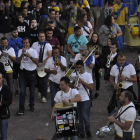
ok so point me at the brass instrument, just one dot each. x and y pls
(56, 64)
(25, 53)
(5, 55)
(109, 61)
(119, 83)
(92, 51)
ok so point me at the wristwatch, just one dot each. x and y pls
(126, 79)
(69, 100)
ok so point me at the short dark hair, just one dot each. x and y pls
(54, 0)
(114, 42)
(38, 2)
(128, 95)
(28, 40)
(24, 8)
(74, 1)
(41, 32)
(4, 38)
(76, 28)
(20, 14)
(55, 48)
(121, 54)
(80, 62)
(65, 79)
(51, 10)
(13, 29)
(49, 29)
(50, 22)
(6, 1)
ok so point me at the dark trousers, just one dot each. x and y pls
(138, 96)
(42, 85)
(9, 80)
(97, 77)
(3, 129)
(30, 79)
(54, 87)
(83, 109)
(126, 136)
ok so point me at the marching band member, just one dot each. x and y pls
(66, 96)
(89, 65)
(44, 50)
(125, 76)
(98, 57)
(28, 59)
(7, 57)
(85, 84)
(55, 66)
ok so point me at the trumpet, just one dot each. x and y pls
(25, 53)
(77, 80)
(109, 61)
(56, 61)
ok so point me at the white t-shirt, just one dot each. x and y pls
(87, 69)
(128, 115)
(4, 60)
(60, 95)
(47, 48)
(86, 77)
(128, 71)
(87, 28)
(27, 63)
(50, 65)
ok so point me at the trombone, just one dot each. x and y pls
(109, 61)
(92, 51)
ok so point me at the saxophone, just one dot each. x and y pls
(119, 82)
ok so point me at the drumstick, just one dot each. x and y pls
(109, 121)
(47, 124)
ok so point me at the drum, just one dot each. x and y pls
(66, 121)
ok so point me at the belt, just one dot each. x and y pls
(93, 6)
(27, 72)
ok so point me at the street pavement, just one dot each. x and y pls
(32, 125)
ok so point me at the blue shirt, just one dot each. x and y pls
(132, 6)
(76, 42)
(96, 3)
(16, 44)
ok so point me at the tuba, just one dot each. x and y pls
(119, 82)
(56, 59)
(109, 61)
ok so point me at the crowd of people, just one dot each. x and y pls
(40, 40)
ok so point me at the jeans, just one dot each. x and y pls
(138, 96)
(122, 29)
(42, 85)
(29, 79)
(3, 129)
(9, 80)
(83, 114)
(54, 87)
(71, 138)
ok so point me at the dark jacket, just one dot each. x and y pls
(6, 99)
(2, 70)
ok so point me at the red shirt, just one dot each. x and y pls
(53, 42)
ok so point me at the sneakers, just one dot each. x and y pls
(16, 93)
(20, 112)
(81, 136)
(32, 109)
(39, 95)
(138, 119)
(43, 100)
(89, 134)
(96, 95)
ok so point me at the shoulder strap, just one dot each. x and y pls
(124, 111)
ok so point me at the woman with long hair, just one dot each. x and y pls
(90, 18)
(85, 25)
(109, 29)
(98, 57)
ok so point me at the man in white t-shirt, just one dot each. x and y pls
(89, 64)
(44, 50)
(28, 59)
(127, 77)
(84, 85)
(66, 96)
(7, 57)
(124, 124)
(55, 67)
